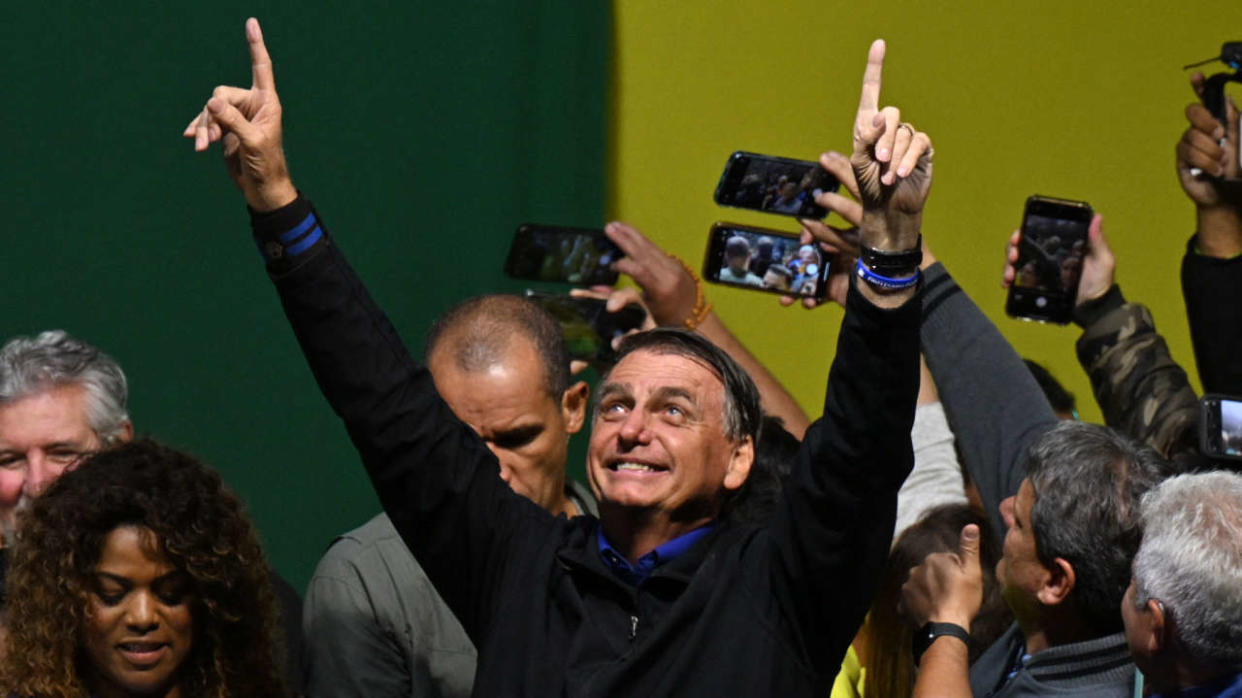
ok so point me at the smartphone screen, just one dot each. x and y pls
(765, 260)
(581, 256)
(774, 185)
(1221, 426)
(1050, 253)
(588, 327)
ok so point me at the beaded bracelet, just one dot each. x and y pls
(887, 283)
(701, 306)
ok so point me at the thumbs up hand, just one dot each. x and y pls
(946, 587)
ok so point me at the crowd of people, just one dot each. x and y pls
(946, 527)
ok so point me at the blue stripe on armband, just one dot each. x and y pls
(886, 281)
(290, 235)
(305, 243)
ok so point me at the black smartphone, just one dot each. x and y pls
(1220, 426)
(765, 260)
(1050, 253)
(774, 185)
(588, 327)
(571, 255)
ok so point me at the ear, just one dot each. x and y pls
(1156, 627)
(1059, 584)
(127, 433)
(742, 458)
(574, 405)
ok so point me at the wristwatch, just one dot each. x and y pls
(892, 263)
(929, 632)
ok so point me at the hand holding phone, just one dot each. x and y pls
(1050, 250)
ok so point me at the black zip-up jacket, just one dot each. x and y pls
(746, 611)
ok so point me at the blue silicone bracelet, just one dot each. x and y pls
(886, 282)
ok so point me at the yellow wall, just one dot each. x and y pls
(1059, 97)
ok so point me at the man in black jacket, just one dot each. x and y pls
(661, 595)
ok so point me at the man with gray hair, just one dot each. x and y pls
(61, 399)
(1073, 529)
(1183, 610)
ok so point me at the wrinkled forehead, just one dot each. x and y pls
(659, 366)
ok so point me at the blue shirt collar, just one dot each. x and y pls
(636, 573)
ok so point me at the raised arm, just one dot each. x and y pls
(1209, 172)
(436, 479)
(993, 405)
(833, 526)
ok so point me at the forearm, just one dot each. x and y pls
(1142, 392)
(834, 524)
(944, 671)
(993, 403)
(434, 477)
(936, 479)
(776, 400)
(1210, 287)
(1219, 231)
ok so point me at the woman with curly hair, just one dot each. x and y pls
(138, 574)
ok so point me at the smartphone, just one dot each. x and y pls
(774, 185)
(765, 260)
(581, 256)
(588, 327)
(1050, 253)
(1220, 426)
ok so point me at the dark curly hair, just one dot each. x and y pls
(201, 529)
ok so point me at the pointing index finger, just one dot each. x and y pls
(870, 100)
(260, 62)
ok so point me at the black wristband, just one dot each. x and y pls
(930, 631)
(899, 263)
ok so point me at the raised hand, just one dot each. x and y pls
(892, 163)
(1099, 266)
(248, 121)
(668, 289)
(1207, 154)
(946, 587)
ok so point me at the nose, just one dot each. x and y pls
(634, 429)
(140, 614)
(40, 473)
(1006, 510)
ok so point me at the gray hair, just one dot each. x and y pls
(31, 365)
(1088, 482)
(1191, 561)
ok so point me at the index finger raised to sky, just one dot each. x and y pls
(870, 100)
(260, 62)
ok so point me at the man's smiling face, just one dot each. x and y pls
(659, 442)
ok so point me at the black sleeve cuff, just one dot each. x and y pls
(289, 235)
(1087, 314)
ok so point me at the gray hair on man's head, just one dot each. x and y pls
(1191, 561)
(31, 365)
(1088, 482)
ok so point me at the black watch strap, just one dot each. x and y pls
(896, 263)
(930, 631)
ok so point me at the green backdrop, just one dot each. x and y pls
(424, 132)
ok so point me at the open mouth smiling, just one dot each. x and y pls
(631, 466)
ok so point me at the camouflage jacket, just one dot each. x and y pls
(1142, 391)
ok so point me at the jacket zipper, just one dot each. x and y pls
(633, 627)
